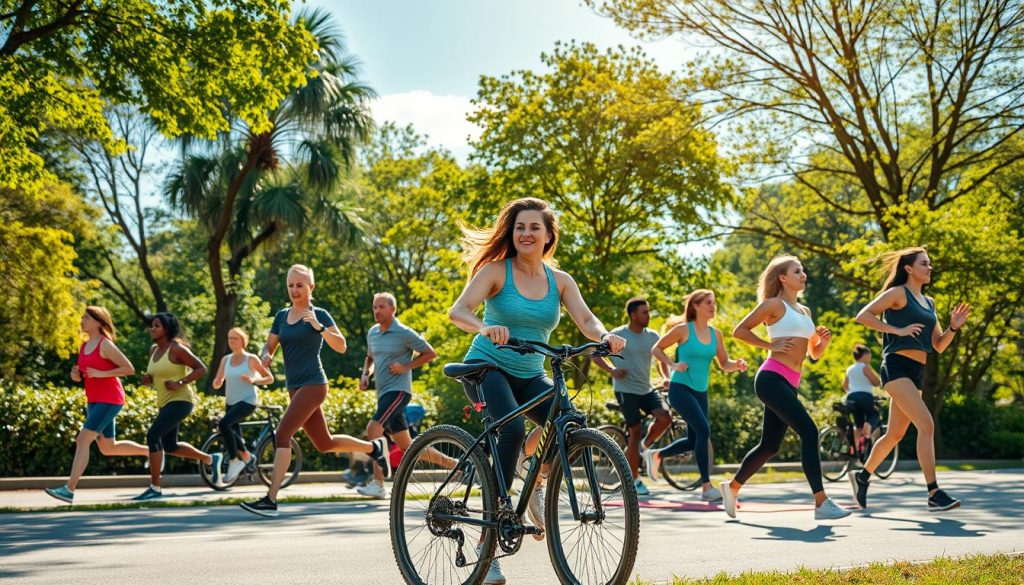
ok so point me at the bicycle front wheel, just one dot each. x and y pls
(888, 465)
(833, 452)
(597, 547)
(680, 471)
(430, 544)
(215, 444)
(265, 453)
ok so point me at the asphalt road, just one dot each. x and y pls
(348, 542)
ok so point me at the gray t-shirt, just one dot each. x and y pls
(636, 360)
(397, 344)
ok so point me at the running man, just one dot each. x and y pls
(390, 346)
(859, 383)
(631, 382)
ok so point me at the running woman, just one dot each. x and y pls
(631, 382)
(910, 331)
(390, 347)
(792, 337)
(511, 273)
(301, 331)
(172, 371)
(697, 344)
(101, 365)
(859, 383)
(241, 372)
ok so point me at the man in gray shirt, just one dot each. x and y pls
(631, 381)
(390, 346)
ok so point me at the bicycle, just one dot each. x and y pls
(680, 471)
(838, 449)
(261, 462)
(431, 522)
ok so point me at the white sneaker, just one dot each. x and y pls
(494, 576)
(535, 509)
(711, 495)
(373, 489)
(728, 498)
(235, 467)
(652, 461)
(828, 510)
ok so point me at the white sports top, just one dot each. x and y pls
(792, 324)
(858, 382)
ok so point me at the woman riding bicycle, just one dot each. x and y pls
(859, 383)
(512, 274)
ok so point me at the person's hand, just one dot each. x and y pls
(398, 368)
(172, 385)
(93, 373)
(265, 360)
(960, 315)
(824, 335)
(246, 378)
(784, 345)
(310, 317)
(364, 382)
(615, 343)
(664, 383)
(619, 373)
(76, 374)
(147, 380)
(912, 330)
(741, 365)
(498, 334)
(680, 366)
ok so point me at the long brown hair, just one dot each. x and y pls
(102, 316)
(483, 246)
(894, 264)
(689, 308)
(768, 284)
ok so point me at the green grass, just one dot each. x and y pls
(980, 569)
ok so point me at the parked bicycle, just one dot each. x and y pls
(839, 450)
(680, 471)
(437, 513)
(261, 463)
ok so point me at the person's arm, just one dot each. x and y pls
(722, 358)
(587, 322)
(147, 378)
(109, 351)
(463, 312)
(185, 356)
(324, 325)
(846, 382)
(617, 373)
(872, 377)
(265, 377)
(769, 309)
(426, 355)
(869, 315)
(218, 379)
(941, 339)
(818, 342)
(364, 378)
(674, 336)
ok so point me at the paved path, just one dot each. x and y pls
(348, 542)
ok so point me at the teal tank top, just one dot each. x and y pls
(532, 319)
(698, 357)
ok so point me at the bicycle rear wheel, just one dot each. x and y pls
(597, 548)
(427, 549)
(265, 452)
(888, 465)
(681, 470)
(833, 451)
(215, 444)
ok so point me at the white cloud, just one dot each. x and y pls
(442, 118)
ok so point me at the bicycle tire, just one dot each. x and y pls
(401, 506)
(616, 434)
(888, 465)
(607, 458)
(832, 450)
(214, 444)
(680, 471)
(265, 452)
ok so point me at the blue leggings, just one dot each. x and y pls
(693, 407)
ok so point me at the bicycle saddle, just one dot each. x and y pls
(472, 373)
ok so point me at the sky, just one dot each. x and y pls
(424, 57)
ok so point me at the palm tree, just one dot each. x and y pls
(249, 187)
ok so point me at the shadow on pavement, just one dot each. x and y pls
(941, 527)
(815, 535)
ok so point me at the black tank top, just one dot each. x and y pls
(912, 313)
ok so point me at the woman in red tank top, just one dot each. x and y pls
(100, 365)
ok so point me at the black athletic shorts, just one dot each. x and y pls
(862, 405)
(632, 405)
(896, 366)
(391, 411)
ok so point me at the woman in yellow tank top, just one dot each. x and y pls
(172, 371)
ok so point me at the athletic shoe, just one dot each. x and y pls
(494, 576)
(235, 467)
(641, 489)
(373, 489)
(382, 457)
(535, 509)
(62, 493)
(262, 507)
(522, 464)
(149, 494)
(828, 510)
(215, 475)
(652, 463)
(711, 495)
(859, 484)
(728, 498)
(940, 501)
(356, 478)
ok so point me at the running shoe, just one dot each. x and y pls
(522, 464)
(535, 509)
(494, 576)
(62, 493)
(728, 498)
(235, 467)
(859, 482)
(940, 501)
(380, 455)
(262, 507)
(652, 463)
(373, 489)
(711, 495)
(215, 475)
(641, 489)
(828, 510)
(149, 494)
(355, 478)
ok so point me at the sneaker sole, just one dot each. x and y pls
(722, 487)
(932, 508)
(264, 513)
(56, 497)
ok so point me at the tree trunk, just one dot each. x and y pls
(224, 320)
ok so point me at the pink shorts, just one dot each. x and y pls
(773, 365)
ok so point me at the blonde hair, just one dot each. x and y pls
(305, 271)
(102, 316)
(894, 262)
(689, 308)
(485, 245)
(241, 333)
(768, 284)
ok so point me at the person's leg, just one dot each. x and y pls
(165, 424)
(496, 391)
(111, 447)
(783, 401)
(82, 443)
(230, 430)
(698, 428)
(629, 406)
(653, 405)
(390, 415)
(908, 398)
(773, 431)
(180, 449)
(899, 422)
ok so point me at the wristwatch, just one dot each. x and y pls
(322, 328)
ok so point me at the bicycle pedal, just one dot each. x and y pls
(533, 530)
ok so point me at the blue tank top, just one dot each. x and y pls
(698, 358)
(532, 319)
(912, 313)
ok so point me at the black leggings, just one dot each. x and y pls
(231, 431)
(504, 393)
(782, 409)
(693, 407)
(163, 433)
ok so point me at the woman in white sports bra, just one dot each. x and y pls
(793, 336)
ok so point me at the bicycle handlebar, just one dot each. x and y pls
(525, 346)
